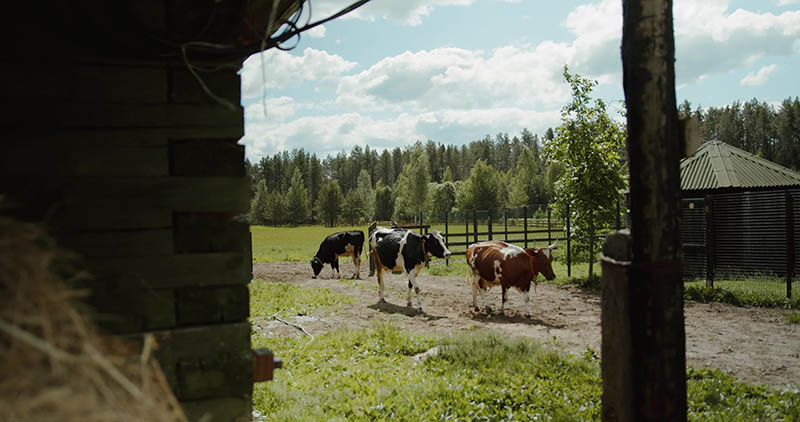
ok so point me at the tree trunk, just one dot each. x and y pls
(658, 341)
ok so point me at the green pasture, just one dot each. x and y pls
(370, 375)
(277, 244)
(298, 244)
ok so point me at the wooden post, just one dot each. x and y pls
(475, 224)
(525, 224)
(790, 245)
(490, 225)
(710, 243)
(466, 227)
(549, 237)
(657, 339)
(505, 224)
(615, 311)
(446, 236)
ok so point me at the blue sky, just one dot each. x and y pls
(397, 71)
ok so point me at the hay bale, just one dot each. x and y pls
(55, 365)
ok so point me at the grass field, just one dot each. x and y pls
(369, 375)
(298, 244)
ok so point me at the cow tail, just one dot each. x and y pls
(469, 279)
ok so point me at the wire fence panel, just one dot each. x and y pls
(693, 213)
(744, 241)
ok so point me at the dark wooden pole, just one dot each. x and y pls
(657, 336)
(790, 244)
(525, 225)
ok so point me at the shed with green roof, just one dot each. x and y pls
(741, 215)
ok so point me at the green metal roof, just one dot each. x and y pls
(717, 165)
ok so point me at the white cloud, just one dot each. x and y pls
(788, 2)
(329, 134)
(710, 39)
(760, 78)
(316, 32)
(284, 70)
(456, 78)
(407, 12)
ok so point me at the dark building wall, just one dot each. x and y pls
(131, 165)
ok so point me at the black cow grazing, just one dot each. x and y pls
(348, 243)
(403, 250)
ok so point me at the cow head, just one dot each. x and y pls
(434, 244)
(543, 260)
(316, 265)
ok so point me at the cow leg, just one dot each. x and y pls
(475, 288)
(527, 294)
(408, 297)
(503, 301)
(335, 266)
(357, 261)
(412, 282)
(379, 270)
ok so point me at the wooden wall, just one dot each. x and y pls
(132, 166)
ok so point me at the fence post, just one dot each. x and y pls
(466, 227)
(505, 224)
(549, 237)
(525, 224)
(475, 224)
(711, 245)
(790, 246)
(446, 236)
(618, 218)
(569, 249)
(490, 225)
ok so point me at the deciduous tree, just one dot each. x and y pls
(587, 146)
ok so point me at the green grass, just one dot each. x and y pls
(368, 375)
(793, 317)
(750, 292)
(297, 244)
(283, 299)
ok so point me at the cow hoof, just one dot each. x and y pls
(476, 309)
(381, 300)
(488, 310)
(313, 276)
(409, 305)
(528, 316)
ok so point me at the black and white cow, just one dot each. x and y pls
(404, 250)
(348, 243)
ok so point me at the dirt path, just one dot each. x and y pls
(755, 345)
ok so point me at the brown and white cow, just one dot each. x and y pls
(494, 262)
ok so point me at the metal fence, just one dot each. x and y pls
(749, 237)
(523, 226)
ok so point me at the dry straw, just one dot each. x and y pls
(54, 364)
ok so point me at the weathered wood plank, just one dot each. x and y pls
(207, 157)
(105, 83)
(213, 304)
(120, 161)
(113, 215)
(135, 311)
(184, 88)
(223, 409)
(157, 272)
(220, 345)
(127, 243)
(118, 115)
(180, 194)
(210, 233)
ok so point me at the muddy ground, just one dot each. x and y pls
(755, 345)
